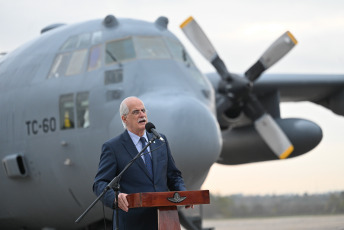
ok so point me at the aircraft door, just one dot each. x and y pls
(74, 134)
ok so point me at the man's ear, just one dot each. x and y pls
(124, 118)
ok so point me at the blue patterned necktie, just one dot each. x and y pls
(147, 157)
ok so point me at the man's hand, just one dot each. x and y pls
(189, 206)
(123, 202)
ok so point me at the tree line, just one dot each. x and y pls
(240, 206)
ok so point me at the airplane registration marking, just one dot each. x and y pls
(47, 125)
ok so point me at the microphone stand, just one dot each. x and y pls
(115, 185)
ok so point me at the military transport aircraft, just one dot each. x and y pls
(59, 100)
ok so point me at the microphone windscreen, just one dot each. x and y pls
(149, 126)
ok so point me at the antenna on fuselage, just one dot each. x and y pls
(161, 22)
(110, 21)
(51, 27)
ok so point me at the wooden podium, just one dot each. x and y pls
(167, 203)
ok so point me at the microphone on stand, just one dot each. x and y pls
(151, 129)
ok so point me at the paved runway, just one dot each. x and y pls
(334, 222)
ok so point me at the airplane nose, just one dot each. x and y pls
(192, 132)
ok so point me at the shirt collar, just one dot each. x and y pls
(136, 138)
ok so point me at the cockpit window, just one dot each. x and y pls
(151, 47)
(77, 42)
(84, 41)
(136, 47)
(141, 47)
(73, 55)
(176, 49)
(76, 62)
(60, 64)
(96, 37)
(70, 43)
(86, 52)
(178, 52)
(95, 58)
(119, 50)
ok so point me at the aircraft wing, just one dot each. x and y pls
(242, 144)
(324, 89)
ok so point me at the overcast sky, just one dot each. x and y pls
(240, 31)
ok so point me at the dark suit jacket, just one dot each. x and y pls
(116, 153)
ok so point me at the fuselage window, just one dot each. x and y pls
(66, 111)
(119, 50)
(76, 62)
(151, 47)
(82, 111)
(60, 65)
(95, 58)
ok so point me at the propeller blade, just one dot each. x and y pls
(201, 42)
(273, 135)
(274, 53)
(267, 128)
(198, 38)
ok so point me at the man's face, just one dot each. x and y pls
(137, 118)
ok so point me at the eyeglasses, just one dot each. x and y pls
(137, 111)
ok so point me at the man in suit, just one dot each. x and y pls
(153, 172)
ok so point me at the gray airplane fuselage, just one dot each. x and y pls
(59, 100)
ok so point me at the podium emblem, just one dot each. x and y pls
(176, 198)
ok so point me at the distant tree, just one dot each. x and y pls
(239, 206)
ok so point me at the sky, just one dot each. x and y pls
(240, 32)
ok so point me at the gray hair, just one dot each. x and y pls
(124, 110)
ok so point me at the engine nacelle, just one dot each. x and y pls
(244, 145)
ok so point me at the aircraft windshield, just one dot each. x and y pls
(119, 50)
(85, 52)
(145, 48)
(74, 53)
(151, 47)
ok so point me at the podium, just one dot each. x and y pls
(166, 203)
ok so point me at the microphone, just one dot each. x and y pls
(151, 129)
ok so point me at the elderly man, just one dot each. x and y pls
(153, 172)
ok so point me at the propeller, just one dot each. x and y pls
(236, 92)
